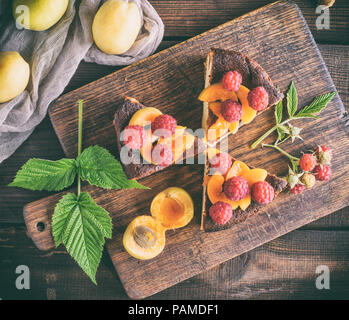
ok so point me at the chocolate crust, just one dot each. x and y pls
(240, 215)
(122, 118)
(253, 75)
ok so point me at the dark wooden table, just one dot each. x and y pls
(282, 269)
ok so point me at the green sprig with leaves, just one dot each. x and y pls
(283, 127)
(78, 222)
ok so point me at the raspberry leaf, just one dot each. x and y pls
(82, 226)
(278, 112)
(38, 174)
(317, 105)
(100, 168)
(292, 100)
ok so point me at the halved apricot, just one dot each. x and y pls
(216, 92)
(248, 114)
(144, 238)
(173, 208)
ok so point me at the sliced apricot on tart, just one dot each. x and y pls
(216, 92)
(144, 117)
(144, 238)
(215, 191)
(173, 208)
(248, 114)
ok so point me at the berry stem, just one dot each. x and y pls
(292, 158)
(270, 131)
(81, 107)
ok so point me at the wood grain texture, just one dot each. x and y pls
(191, 17)
(281, 269)
(43, 143)
(287, 52)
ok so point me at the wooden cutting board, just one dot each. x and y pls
(278, 38)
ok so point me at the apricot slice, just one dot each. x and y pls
(173, 208)
(248, 114)
(215, 191)
(237, 169)
(218, 129)
(216, 92)
(251, 175)
(215, 107)
(179, 142)
(144, 238)
(144, 117)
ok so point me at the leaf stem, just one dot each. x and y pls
(81, 108)
(292, 158)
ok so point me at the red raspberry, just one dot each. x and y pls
(307, 162)
(324, 154)
(231, 111)
(322, 172)
(262, 192)
(162, 155)
(221, 212)
(298, 189)
(258, 98)
(236, 188)
(232, 81)
(133, 137)
(164, 126)
(221, 163)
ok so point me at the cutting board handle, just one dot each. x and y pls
(37, 216)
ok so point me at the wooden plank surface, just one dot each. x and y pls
(188, 18)
(297, 59)
(281, 269)
(43, 143)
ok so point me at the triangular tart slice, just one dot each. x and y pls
(242, 209)
(218, 63)
(140, 161)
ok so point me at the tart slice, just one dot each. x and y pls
(233, 191)
(237, 89)
(149, 140)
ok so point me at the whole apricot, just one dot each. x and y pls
(116, 26)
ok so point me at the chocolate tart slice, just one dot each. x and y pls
(134, 169)
(239, 215)
(219, 62)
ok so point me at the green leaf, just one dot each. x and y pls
(281, 134)
(82, 226)
(317, 105)
(100, 168)
(292, 100)
(38, 174)
(278, 112)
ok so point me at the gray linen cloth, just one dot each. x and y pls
(54, 56)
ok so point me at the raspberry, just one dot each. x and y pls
(221, 212)
(164, 126)
(133, 137)
(258, 98)
(307, 162)
(308, 179)
(162, 155)
(324, 154)
(221, 163)
(262, 192)
(236, 188)
(232, 81)
(298, 189)
(322, 172)
(231, 111)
